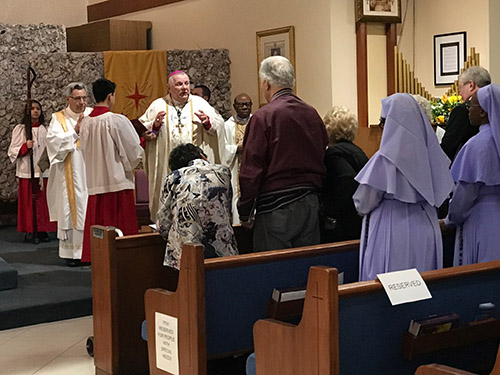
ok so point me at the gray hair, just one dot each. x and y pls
(278, 71)
(68, 90)
(341, 124)
(476, 74)
(425, 105)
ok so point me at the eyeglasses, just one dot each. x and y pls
(244, 104)
(78, 98)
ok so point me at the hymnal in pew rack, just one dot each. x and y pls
(433, 324)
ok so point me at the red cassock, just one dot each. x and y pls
(114, 209)
(25, 207)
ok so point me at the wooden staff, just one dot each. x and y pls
(29, 136)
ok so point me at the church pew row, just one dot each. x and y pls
(363, 333)
(237, 291)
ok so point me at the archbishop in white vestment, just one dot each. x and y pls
(179, 125)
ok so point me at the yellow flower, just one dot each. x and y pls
(440, 119)
(444, 98)
(453, 99)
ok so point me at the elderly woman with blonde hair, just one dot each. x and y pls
(343, 161)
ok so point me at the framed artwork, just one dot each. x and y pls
(275, 42)
(450, 53)
(386, 11)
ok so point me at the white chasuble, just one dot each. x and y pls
(180, 125)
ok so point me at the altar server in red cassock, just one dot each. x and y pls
(19, 150)
(111, 150)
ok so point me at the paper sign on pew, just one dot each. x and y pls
(167, 348)
(404, 286)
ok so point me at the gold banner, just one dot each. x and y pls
(140, 77)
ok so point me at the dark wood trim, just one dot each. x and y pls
(362, 73)
(112, 8)
(363, 287)
(280, 255)
(391, 42)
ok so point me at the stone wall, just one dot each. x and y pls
(209, 67)
(44, 48)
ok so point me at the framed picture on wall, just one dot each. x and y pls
(450, 53)
(275, 42)
(386, 11)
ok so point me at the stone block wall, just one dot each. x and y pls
(209, 67)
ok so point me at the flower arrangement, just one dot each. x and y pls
(442, 108)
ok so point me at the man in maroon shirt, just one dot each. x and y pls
(282, 167)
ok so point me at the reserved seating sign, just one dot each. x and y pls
(167, 343)
(404, 286)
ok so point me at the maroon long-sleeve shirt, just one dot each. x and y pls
(283, 148)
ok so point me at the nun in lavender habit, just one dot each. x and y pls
(400, 189)
(475, 206)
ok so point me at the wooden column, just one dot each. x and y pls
(391, 42)
(362, 74)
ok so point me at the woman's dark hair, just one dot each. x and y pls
(182, 155)
(27, 115)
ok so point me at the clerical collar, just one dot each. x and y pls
(98, 110)
(240, 120)
(285, 91)
(72, 114)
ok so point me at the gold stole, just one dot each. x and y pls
(178, 120)
(68, 172)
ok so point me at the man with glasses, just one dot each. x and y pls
(459, 128)
(67, 186)
(234, 131)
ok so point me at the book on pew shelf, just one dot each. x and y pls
(433, 324)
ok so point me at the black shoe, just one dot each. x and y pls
(28, 237)
(36, 240)
(44, 236)
(73, 262)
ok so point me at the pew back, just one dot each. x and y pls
(237, 290)
(123, 268)
(371, 330)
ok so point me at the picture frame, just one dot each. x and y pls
(386, 11)
(273, 42)
(450, 53)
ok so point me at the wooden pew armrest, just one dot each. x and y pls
(435, 369)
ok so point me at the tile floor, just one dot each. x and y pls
(57, 348)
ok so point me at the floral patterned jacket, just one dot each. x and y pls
(195, 206)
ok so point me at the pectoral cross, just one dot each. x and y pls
(179, 124)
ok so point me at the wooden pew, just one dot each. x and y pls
(233, 293)
(371, 331)
(123, 268)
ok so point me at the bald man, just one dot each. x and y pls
(176, 119)
(234, 131)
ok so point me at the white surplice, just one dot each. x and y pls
(234, 131)
(63, 207)
(23, 168)
(175, 131)
(111, 149)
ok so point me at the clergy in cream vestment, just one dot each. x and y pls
(176, 119)
(67, 186)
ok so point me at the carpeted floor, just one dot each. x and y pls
(47, 289)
